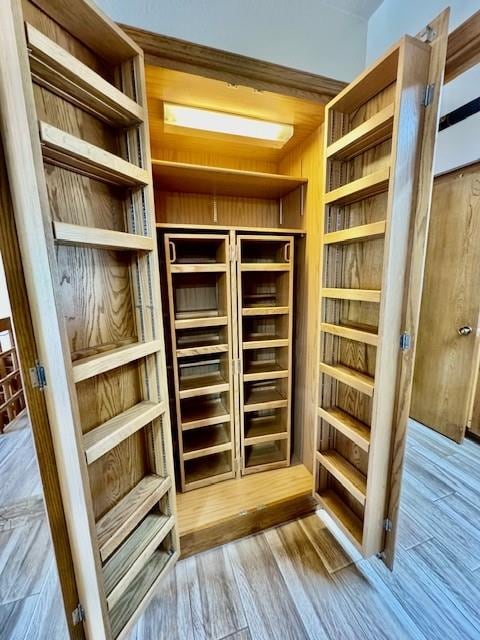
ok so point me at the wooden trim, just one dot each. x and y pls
(363, 295)
(355, 379)
(173, 53)
(80, 236)
(370, 231)
(360, 189)
(463, 48)
(350, 333)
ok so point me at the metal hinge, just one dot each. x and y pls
(405, 341)
(428, 34)
(387, 524)
(78, 614)
(38, 377)
(428, 96)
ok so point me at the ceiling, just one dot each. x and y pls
(360, 8)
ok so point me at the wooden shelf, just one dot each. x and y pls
(208, 469)
(69, 152)
(175, 226)
(362, 295)
(140, 588)
(266, 343)
(260, 429)
(116, 524)
(350, 333)
(350, 524)
(374, 131)
(128, 561)
(111, 433)
(265, 311)
(60, 72)
(203, 442)
(80, 236)
(260, 399)
(267, 455)
(355, 379)
(199, 351)
(101, 363)
(363, 232)
(200, 385)
(216, 267)
(192, 178)
(264, 370)
(360, 189)
(197, 323)
(356, 431)
(346, 473)
(203, 413)
(265, 266)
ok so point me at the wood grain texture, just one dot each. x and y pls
(463, 47)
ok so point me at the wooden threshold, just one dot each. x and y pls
(101, 363)
(360, 189)
(54, 68)
(69, 152)
(80, 236)
(345, 472)
(348, 522)
(370, 231)
(354, 429)
(104, 438)
(362, 295)
(374, 131)
(351, 377)
(116, 524)
(193, 178)
(350, 333)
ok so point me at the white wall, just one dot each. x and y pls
(306, 34)
(459, 144)
(4, 303)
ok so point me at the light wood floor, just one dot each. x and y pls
(295, 581)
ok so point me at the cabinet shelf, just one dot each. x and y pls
(260, 399)
(265, 343)
(104, 438)
(343, 516)
(265, 455)
(192, 178)
(265, 429)
(132, 556)
(362, 232)
(205, 412)
(206, 350)
(116, 524)
(199, 322)
(199, 385)
(79, 236)
(56, 69)
(349, 476)
(208, 469)
(265, 266)
(374, 131)
(360, 189)
(203, 442)
(216, 267)
(351, 377)
(265, 311)
(263, 370)
(69, 152)
(354, 429)
(362, 295)
(350, 333)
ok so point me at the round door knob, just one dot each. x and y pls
(465, 331)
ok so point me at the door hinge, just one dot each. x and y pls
(78, 614)
(405, 341)
(38, 377)
(387, 524)
(428, 96)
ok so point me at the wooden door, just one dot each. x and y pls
(449, 339)
(380, 135)
(76, 145)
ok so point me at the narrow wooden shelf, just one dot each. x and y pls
(259, 399)
(264, 455)
(126, 563)
(264, 432)
(111, 433)
(80, 236)
(265, 266)
(264, 371)
(360, 189)
(345, 472)
(103, 362)
(266, 343)
(194, 323)
(204, 413)
(265, 311)
(363, 232)
(208, 470)
(116, 524)
(349, 523)
(60, 72)
(192, 178)
(175, 226)
(199, 351)
(204, 442)
(350, 333)
(362, 295)
(200, 385)
(139, 590)
(356, 431)
(69, 152)
(374, 131)
(216, 267)
(355, 379)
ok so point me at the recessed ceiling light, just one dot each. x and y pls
(226, 123)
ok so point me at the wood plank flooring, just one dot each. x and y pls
(292, 582)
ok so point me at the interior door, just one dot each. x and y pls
(448, 339)
(74, 129)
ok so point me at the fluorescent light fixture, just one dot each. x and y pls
(227, 123)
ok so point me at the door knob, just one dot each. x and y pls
(465, 331)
